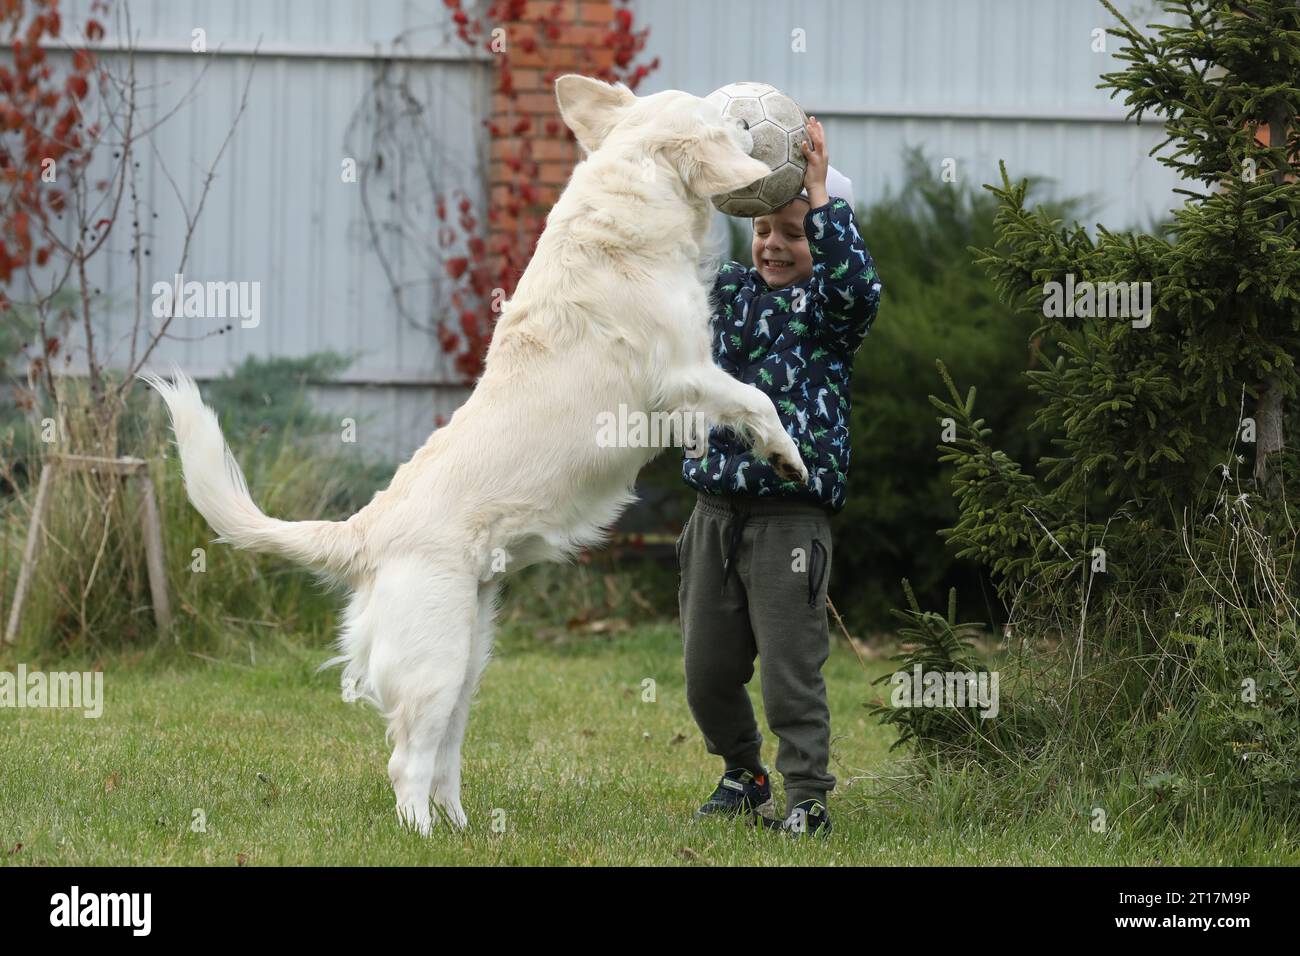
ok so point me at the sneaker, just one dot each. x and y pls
(741, 793)
(808, 818)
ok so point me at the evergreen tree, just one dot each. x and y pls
(1157, 540)
(1146, 417)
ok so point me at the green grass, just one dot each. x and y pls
(561, 750)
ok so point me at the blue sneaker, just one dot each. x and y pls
(741, 793)
(806, 819)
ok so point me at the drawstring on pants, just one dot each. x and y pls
(739, 511)
(737, 530)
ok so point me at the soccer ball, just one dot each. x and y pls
(777, 125)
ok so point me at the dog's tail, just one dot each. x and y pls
(218, 490)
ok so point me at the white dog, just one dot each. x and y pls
(610, 311)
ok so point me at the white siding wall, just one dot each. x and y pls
(279, 213)
(974, 80)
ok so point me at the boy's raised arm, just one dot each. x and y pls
(844, 285)
(844, 282)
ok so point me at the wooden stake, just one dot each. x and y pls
(30, 550)
(151, 522)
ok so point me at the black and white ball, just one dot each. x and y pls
(777, 125)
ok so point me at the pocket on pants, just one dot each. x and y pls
(681, 539)
(819, 572)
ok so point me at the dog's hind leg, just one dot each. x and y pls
(418, 664)
(446, 780)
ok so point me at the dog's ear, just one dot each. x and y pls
(712, 164)
(591, 108)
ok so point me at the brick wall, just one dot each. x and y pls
(544, 150)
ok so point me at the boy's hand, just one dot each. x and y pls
(814, 177)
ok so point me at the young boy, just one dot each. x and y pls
(755, 553)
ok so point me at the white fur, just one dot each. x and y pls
(610, 311)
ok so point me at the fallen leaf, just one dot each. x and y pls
(110, 784)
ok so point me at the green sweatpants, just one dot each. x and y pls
(753, 583)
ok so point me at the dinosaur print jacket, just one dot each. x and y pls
(795, 345)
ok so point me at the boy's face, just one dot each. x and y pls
(780, 248)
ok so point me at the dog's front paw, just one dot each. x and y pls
(789, 469)
(453, 811)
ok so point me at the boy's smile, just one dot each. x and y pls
(780, 248)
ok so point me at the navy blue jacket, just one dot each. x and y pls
(796, 345)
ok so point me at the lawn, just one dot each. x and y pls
(564, 764)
